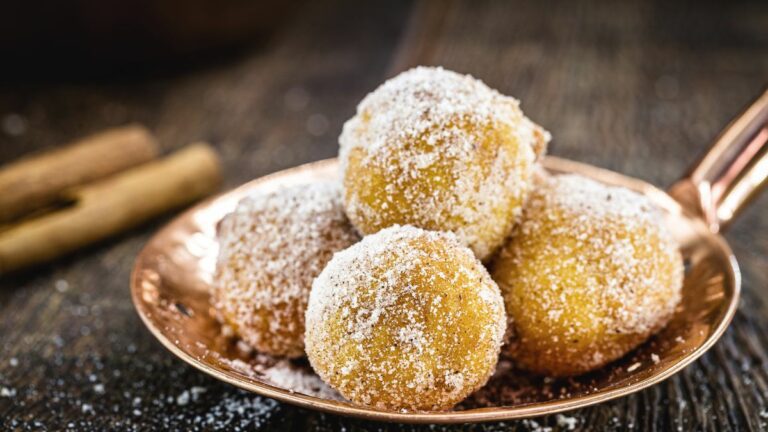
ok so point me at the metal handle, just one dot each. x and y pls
(732, 172)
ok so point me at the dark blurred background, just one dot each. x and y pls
(639, 87)
(85, 39)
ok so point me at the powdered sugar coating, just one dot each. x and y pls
(591, 272)
(441, 151)
(272, 247)
(407, 319)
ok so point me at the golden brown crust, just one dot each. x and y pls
(406, 319)
(441, 151)
(590, 274)
(272, 247)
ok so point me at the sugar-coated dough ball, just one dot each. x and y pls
(440, 151)
(589, 275)
(272, 247)
(406, 319)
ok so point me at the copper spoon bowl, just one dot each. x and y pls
(171, 277)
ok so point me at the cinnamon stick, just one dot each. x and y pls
(39, 181)
(110, 206)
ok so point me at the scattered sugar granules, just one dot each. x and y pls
(568, 423)
(439, 150)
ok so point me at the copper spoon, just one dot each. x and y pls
(170, 280)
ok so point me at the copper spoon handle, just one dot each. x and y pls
(732, 171)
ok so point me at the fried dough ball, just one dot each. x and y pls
(272, 247)
(590, 274)
(406, 319)
(440, 151)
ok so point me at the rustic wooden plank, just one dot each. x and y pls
(639, 87)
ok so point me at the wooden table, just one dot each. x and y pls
(638, 87)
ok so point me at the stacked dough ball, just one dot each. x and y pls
(440, 151)
(438, 175)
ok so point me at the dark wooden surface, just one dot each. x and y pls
(638, 87)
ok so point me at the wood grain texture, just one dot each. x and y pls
(638, 87)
